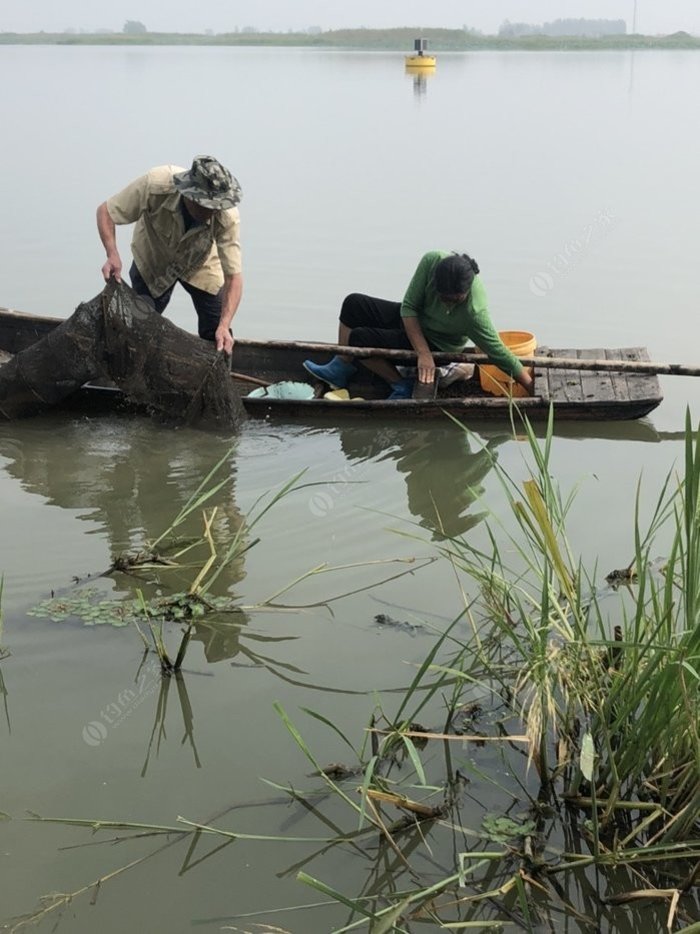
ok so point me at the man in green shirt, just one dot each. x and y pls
(443, 309)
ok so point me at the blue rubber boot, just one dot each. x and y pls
(337, 373)
(401, 390)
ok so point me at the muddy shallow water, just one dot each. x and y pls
(338, 197)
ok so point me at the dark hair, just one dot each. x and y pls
(454, 274)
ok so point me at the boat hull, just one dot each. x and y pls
(573, 395)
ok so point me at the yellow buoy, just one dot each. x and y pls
(420, 59)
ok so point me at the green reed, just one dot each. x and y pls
(599, 698)
(628, 680)
(606, 692)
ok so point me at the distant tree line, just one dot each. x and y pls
(565, 27)
(400, 40)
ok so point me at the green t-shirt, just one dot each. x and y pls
(450, 328)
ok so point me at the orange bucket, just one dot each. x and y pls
(495, 381)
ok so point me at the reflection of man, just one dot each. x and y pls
(114, 478)
(443, 475)
(187, 231)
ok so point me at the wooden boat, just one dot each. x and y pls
(591, 394)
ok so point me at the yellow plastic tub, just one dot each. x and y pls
(495, 381)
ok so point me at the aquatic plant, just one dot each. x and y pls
(197, 563)
(590, 705)
(605, 693)
(623, 680)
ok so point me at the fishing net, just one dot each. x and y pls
(117, 338)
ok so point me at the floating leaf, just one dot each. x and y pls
(86, 606)
(503, 829)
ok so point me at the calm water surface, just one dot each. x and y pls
(569, 176)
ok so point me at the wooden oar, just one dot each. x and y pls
(250, 379)
(541, 362)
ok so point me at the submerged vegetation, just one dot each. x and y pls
(163, 563)
(624, 681)
(583, 703)
(606, 701)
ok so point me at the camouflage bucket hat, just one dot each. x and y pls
(210, 184)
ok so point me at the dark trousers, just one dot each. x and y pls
(207, 306)
(374, 322)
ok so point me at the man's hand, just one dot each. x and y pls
(426, 367)
(230, 298)
(113, 267)
(224, 339)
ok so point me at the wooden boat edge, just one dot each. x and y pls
(480, 407)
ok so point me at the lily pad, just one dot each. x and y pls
(85, 604)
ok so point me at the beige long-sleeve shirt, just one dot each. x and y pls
(163, 249)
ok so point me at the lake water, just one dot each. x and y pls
(571, 178)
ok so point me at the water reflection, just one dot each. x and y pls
(118, 470)
(4, 695)
(221, 640)
(158, 733)
(132, 479)
(420, 78)
(443, 470)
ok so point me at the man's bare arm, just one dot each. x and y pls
(108, 236)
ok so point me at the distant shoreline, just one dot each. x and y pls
(439, 40)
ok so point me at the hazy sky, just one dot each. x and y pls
(653, 16)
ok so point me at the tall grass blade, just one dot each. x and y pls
(366, 782)
(415, 759)
(298, 739)
(355, 906)
(332, 726)
(201, 495)
(388, 921)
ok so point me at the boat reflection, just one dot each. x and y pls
(443, 469)
(444, 465)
